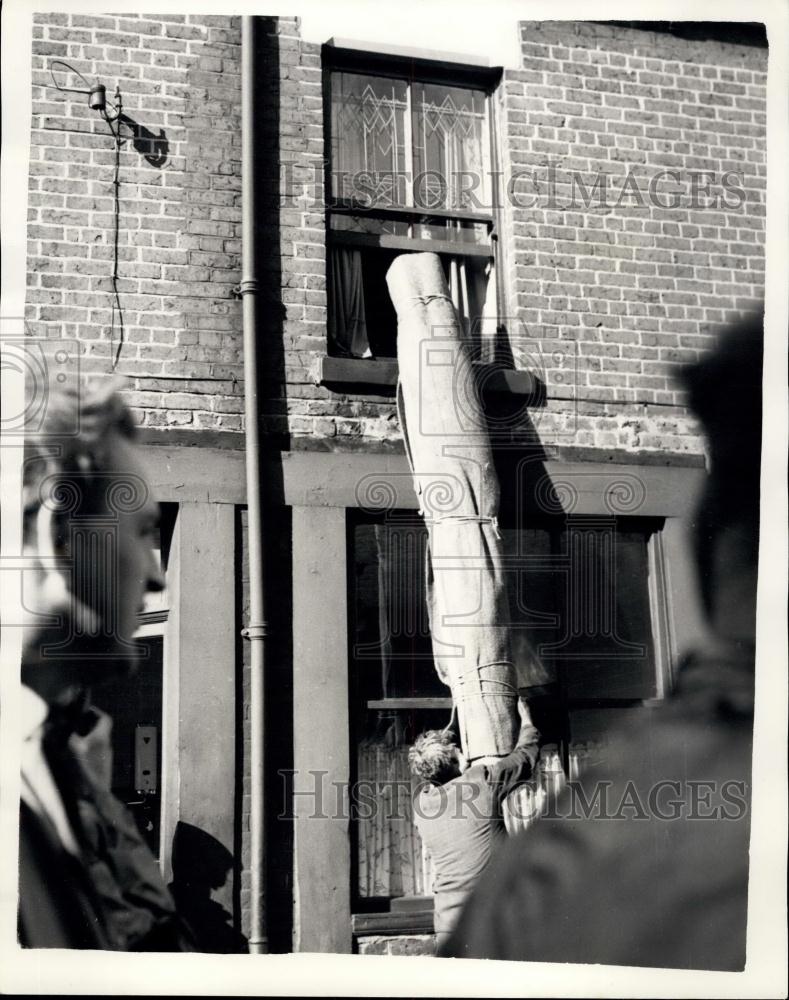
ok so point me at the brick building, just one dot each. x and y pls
(604, 217)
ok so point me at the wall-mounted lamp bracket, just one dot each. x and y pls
(96, 93)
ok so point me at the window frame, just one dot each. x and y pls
(371, 911)
(411, 67)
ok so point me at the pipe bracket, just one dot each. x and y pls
(257, 630)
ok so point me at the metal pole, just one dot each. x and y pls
(256, 629)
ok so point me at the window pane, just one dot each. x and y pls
(380, 312)
(531, 583)
(579, 616)
(391, 861)
(135, 700)
(370, 156)
(579, 600)
(450, 147)
(606, 648)
(392, 647)
(453, 230)
(392, 660)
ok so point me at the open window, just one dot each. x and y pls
(410, 170)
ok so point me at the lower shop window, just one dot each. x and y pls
(583, 598)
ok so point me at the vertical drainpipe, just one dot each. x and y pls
(256, 629)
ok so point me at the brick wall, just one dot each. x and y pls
(635, 288)
(402, 944)
(179, 233)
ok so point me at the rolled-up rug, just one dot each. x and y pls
(450, 455)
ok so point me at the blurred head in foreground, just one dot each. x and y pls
(90, 526)
(725, 391)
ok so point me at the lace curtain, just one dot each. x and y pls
(392, 861)
(370, 157)
(449, 129)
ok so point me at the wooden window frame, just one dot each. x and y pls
(380, 374)
(369, 917)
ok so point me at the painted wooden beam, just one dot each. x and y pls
(408, 703)
(321, 760)
(369, 479)
(199, 727)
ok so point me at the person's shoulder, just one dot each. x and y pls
(476, 774)
(427, 793)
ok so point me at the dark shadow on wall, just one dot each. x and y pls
(273, 189)
(279, 725)
(201, 865)
(153, 148)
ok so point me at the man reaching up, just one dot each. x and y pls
(458, 812)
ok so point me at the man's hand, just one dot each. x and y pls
(512, 770)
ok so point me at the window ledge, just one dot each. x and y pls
(380, 376)
(405, 922)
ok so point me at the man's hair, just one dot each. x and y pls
(77, 425)
(725, 391)
(76, 439)
(433, 757)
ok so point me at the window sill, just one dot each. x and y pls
(428, 703)
(379, 376)
(394, 922)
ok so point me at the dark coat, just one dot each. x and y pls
(112, 896)
(634, 888)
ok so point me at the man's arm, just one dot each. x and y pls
(518, 766)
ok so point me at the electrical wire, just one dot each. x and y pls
(116, 301)
(71, 69)
(117, 109)
(97, 101)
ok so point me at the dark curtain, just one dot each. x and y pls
(347, 323)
